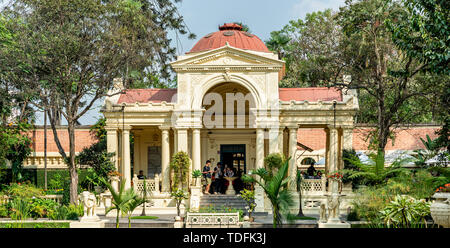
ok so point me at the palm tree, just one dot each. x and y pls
(275, 187)
(120, 199)
(131, 205)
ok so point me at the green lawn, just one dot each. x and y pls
(144, 217)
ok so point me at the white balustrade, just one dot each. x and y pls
(152, 185)
(314, 186)
(212, 219)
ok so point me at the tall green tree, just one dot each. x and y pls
(425, 35)
(311, 50)
(73, 49)
(15, 111)
(378, 67)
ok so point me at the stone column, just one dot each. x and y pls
(196, 149)
(204, 147)
(348, 138)
(112, 146)
(273, 140)
(182, 140)
(175, 141)
(126, 158)
(281, 140)
(259, 148)
(259, 192)
(137, 154)
(165, 160)
(333, 157)
(292, 150)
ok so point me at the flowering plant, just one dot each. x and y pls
(335, 176)
(114, 174)
(444, 189)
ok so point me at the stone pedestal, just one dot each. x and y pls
(178, 222)
(194, 203)
(259, 198)
(230, 189)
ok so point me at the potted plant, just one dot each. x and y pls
(440, 209)
(179, 195)
(338, 178)
(249, 198)
(196, 174)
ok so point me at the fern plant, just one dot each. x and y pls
(371, 173)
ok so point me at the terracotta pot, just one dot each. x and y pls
(440, 209)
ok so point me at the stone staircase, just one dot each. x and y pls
(220, 201)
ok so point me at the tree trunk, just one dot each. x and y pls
(45, 149)
(72, 166)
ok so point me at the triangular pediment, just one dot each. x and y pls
(226, 56)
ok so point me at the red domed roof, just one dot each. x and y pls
(233, 34)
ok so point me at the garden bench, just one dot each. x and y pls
(224, 220)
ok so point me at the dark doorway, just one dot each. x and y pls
(234, 157)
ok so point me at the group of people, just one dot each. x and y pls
(311, 173)
(214, 178)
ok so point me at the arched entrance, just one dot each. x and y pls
(228, 105)
(229, 119)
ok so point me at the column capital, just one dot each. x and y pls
(164, 127)
(293, 129)
(332, 128)
(125, 128)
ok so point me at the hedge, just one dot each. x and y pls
(36, 176)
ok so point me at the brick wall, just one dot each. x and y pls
(405, 138)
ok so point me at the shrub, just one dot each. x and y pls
(222, 209)
(178, 195)
(18, 190)
(353, 216)
(73, 212)
(4, 212)
(42, 208)
(249, 198)
(273, 162)
(180, 167)
(405, 211)
(20, 209)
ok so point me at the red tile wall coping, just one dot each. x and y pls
(83, 139)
